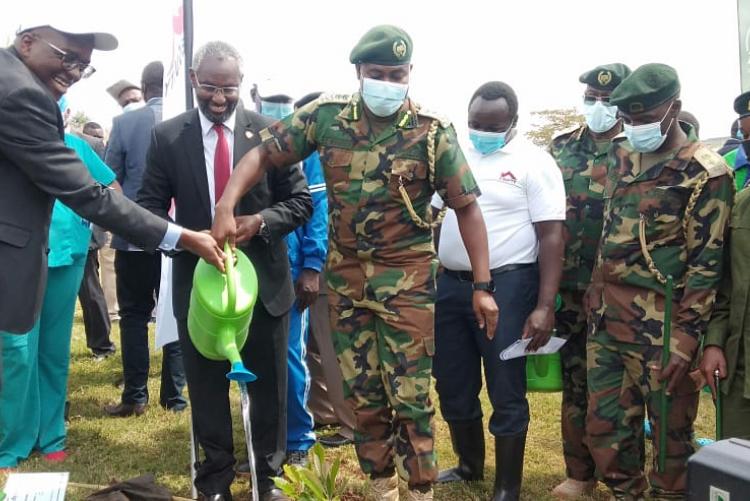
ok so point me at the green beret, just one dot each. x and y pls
(385, 44)
(647, 87)
(606, 76)
(742, 104)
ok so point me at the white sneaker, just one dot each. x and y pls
(573, 489)
(385, 488)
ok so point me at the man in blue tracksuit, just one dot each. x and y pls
(308, 246)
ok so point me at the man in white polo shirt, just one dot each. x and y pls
(523, 205)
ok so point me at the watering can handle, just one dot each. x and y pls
(231, 278)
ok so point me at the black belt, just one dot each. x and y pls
(467, 276)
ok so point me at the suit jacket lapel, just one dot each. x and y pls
(245, 134)
(193, 147)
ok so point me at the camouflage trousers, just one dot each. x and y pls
(623, 384)
(570, 322)
(385, 353)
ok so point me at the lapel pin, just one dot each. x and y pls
(249, 134)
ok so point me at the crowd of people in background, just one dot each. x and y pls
(343, 203)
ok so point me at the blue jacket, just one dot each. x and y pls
(127, 148)
(308, 244)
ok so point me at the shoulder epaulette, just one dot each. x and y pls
(714, 163)
(445, 122)
(568, 131)
(334, 98)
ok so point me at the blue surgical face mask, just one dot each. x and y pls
(383, 98)
(488, 142)
(600, 117)
(648, 137)
(276, 110)
(739, 135)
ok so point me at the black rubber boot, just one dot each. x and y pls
(467, 438)
(509, 451)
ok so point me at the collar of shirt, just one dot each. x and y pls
(207, 125)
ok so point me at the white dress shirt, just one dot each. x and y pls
(210, 138)
(521, 185)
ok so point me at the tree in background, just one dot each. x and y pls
(78, 121)
(545, 124)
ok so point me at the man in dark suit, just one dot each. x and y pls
(138, 273)
(36, 168)
(190, 159)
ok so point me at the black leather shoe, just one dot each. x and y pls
(273, 494)
(335, 440)
(467, 438)
(125, 410)
(214, 497)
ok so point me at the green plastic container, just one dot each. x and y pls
(544, 372)
(221, 308)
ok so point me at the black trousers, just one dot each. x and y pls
(94, 307)
(138, 275)
(264, 354)
(461, 349)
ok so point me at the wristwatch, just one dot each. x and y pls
(484, 286)
(263, 230)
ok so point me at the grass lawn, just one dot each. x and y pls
(102, 449)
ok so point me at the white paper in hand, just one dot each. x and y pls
(518, 349)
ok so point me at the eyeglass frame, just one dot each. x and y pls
(589, 99)
(233, 90)
(85, 69)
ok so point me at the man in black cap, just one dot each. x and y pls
(37, 168)
(737, 158)
(667, 203)
(383, 158)
(581, 155)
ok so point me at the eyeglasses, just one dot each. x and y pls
(587, 99)
(225, 91)
(70, 61)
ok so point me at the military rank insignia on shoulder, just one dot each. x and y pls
(714, 163)
(334, 98)
(568, 131)
(445, 122)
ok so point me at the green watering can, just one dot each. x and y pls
(221, 307)
(544, 372)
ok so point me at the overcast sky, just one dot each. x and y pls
(539, 47)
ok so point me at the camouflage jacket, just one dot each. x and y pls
(688, 244)
(376, 251)
(583, 163)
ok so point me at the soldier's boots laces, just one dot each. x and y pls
(385, 488)
(572, 489)
(467, 438)
(416, 495)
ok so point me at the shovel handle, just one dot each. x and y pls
(231, 279)
(719, 431)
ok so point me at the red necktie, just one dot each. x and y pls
(221, 162)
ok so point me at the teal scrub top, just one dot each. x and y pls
(69, 233)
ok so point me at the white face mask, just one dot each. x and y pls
(133, 106)
(600, 117)
(648, 138)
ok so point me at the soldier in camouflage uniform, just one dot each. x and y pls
(383, 158)
(667, 203)
(581, 155)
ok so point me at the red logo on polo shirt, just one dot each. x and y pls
(508, 177)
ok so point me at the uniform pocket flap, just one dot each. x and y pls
(14, 235)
